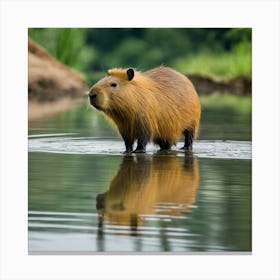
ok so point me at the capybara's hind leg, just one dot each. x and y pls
(164, 144)
(188, 139)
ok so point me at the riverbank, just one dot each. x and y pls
(52, 86)
(241, 86)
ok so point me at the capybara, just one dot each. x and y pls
(153, 106)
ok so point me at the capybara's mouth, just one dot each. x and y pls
(97, 107)
(93, 103)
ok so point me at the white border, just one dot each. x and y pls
(17, 16)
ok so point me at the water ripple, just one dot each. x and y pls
(83, 222)
(67, 144)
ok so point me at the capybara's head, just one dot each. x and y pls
(111, 88)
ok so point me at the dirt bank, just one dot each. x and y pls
(50, 80)
(52, 86)
(238, 86)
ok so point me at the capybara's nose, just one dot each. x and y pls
(92, 95)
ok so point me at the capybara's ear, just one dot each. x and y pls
(130, 74)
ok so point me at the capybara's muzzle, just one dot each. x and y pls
(93, 99)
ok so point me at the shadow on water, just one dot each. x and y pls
(160, 185)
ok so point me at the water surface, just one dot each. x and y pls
(85, 196)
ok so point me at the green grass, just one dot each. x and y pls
(241, 104)
(223, 66)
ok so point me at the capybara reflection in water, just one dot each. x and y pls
(157, 106)
(145, 185)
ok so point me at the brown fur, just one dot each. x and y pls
(143, 185)
(157, 105)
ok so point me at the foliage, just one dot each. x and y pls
(227, 101)
(222, 52)
(225, 65)
(66, 44)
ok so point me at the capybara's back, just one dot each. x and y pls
(158, 105)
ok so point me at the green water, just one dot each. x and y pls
(86, 197)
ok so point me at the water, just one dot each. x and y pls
(85, 196)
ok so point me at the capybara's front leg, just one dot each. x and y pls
(128, 144)
(141, 148)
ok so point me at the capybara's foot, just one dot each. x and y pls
(127, 152)
(139, 151)
(187, 148)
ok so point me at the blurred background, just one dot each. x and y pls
(220, 53)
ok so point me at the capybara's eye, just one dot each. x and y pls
(113, 84)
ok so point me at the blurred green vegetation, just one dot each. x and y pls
(214, 52)
(227, 101)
